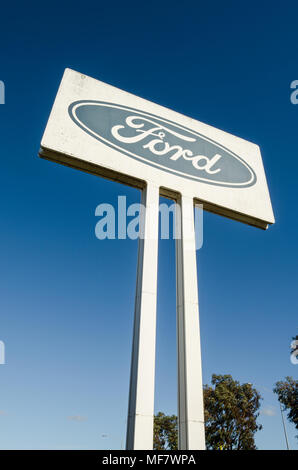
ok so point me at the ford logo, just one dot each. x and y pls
(161, 143)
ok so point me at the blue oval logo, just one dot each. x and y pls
(161, 143)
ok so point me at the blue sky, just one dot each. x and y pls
(67, 298)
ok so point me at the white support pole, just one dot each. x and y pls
(142, 375)
(191, 435)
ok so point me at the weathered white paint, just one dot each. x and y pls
(141, 393)
(190, 388)
(68, 141)
(64, 141)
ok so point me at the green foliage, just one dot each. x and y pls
(287, 392)
(231, 412)
(165, 432)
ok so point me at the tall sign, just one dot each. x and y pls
(100, 129)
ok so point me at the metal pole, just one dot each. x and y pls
(141, 394)
(284, 426)
(191, 430)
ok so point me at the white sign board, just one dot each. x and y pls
(100, 129)
(105, 131)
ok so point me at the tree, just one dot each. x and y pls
(287, 392)
(165, 432)
(231, 412)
